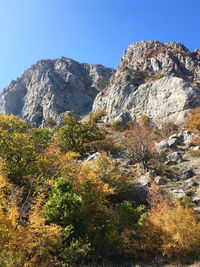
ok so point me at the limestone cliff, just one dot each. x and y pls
(160, 80)
(50, 88)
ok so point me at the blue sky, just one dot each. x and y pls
(92, 31)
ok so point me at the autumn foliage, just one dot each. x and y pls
(58, 210)
(170, 229)
(193, 120)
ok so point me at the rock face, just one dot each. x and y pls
(50, 88)
(167, 58)
(157, 79)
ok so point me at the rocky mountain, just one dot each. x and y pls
(160, 80)
(50, 88)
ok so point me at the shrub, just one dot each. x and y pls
(75, 136)
(103, 83)
(159, 76)
(117, 123)
(170, 230)
(50, 122)
(193, 120)
(194, 153)
(166, 129)
(138, 144)
(144, 120)
(96, 117)
(107, 145)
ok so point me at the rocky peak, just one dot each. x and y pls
(159, 80)
(167, 58)
(50, 88)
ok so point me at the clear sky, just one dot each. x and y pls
(92, 31)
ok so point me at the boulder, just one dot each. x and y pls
(178, 193)
(162, 146)
(188, 173)
(174, 157)
(145, 180)
(160, 180)
(188, 138)
(172, 143)
(92, 157)
(196, 148)
(189, 183)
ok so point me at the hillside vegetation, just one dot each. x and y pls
(75, 195)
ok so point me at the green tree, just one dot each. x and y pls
(77, 137)
(42, 138)
(17, 148)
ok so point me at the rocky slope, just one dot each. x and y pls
(160, 80)
(50, 88)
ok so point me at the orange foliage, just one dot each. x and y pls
(193, 120)
(34, 240)
(144, 120)
(170, 230)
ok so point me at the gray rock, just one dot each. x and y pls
(52, 87)
(189, 183)
(160, 180)
(173, 142)
(93, 156)
(163, 100)
(174, 157)
(145, 180)
(162, 146)
(188, 173)
(150, 173)
(175, 178)
(188, 138)
(196, 148)
(178, 193)
(196, 197)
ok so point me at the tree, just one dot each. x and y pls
(20, 157)
(170, 229)
(193, 120)
(17, 148)
(81, 199)
(144, 120)
(75, 136)
(50, 122)
(34, 241)
(42, 138)
(138, 145)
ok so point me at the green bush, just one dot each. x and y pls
(96, 117)
(75, 136)
(103, 83)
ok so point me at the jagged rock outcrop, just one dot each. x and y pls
(50, 88)
(167, 58)
(160, 80)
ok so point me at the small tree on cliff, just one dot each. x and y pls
(138, 145)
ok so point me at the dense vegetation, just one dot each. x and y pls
(58, 210)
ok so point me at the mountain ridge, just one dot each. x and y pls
(148, 72)
(144, 65)
(52, 87)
